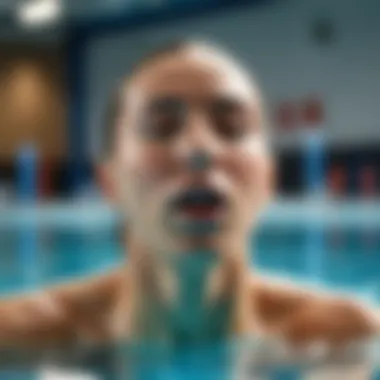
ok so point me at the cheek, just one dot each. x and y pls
(143, 182)
(252, 171)
(146, 166)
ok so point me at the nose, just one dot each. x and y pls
(198, 147)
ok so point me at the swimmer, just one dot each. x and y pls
(186, 158)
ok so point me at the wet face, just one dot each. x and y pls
(191, 160)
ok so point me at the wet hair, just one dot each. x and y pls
(113, 108)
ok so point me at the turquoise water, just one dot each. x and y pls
(344, 258)
(339, 258)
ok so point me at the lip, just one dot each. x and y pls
(198, 211)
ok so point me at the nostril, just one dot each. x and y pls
(199, 160)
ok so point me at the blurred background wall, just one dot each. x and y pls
(299, 50)
(317, 62)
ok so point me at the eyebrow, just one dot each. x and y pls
(228, 103)
(166, 104)
(176, 103)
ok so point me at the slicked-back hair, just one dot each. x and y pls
(113, 108)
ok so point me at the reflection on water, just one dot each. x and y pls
(251, 359)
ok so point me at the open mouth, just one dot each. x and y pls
(204, 203)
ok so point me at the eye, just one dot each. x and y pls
(163, 119)
(231, 127)
(230, 120)
(161, 126)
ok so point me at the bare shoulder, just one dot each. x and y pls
(58, 314)
(92, 292)
(277, 297)
(95, 292)
(310, 313)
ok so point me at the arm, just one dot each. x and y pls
(55, 320)
(303, 316)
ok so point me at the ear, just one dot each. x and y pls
(105, 175)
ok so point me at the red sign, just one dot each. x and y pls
(287, 116)
(312, 112)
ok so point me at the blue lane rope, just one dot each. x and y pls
(314, 181)
(27, 185)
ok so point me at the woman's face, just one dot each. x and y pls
(191, 160)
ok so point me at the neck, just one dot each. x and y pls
(192, 300)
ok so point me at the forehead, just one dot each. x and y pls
(192, 74)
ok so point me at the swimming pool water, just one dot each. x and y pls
(339, 258)
(343, 258)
